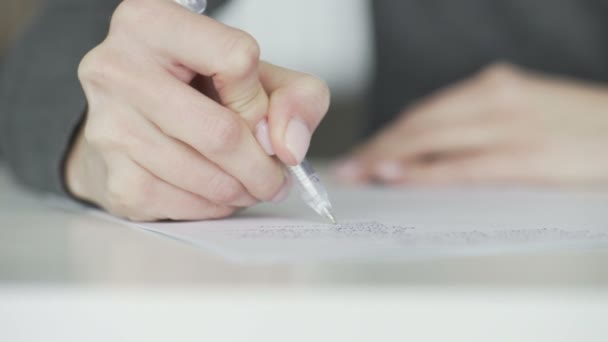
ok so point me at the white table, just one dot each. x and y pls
(67, 275)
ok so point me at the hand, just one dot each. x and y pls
(176, 105)
(505, 125)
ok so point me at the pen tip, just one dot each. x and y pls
(330, 215)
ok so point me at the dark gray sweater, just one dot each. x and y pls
(421, 45)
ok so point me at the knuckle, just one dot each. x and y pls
(225, 189)
(504, 87)
(100, 67)
(498, 71)
(499, 74)
(134, 141)
(88, 65)
(316, 91)
(100, 134)
(111, 131)
(129, 193)
(130, 14)
(243, 54)
(106, 132)
(226, 132)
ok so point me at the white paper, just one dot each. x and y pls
(390, 225)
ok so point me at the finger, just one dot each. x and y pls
(490, 167)
(183, 39)
(212, 130)
(391, 159)
(349, 171)
(443, 141)
(179, 165)
(177, 204)
(298, 103)
(392, 163)
(134, 193)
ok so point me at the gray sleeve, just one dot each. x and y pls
(41, 101)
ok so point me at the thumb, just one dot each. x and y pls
(298, 103)
(242, 91)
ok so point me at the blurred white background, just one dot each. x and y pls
(331, 39)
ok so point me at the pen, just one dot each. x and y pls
(303, 175)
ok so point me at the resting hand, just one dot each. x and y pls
(505, 125)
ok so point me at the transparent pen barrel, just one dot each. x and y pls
(308, 184)
(196, 6)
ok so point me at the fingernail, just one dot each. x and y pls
(297, 139)
(262, 134)
(390, 171)
(349, 170)
(283, 193)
